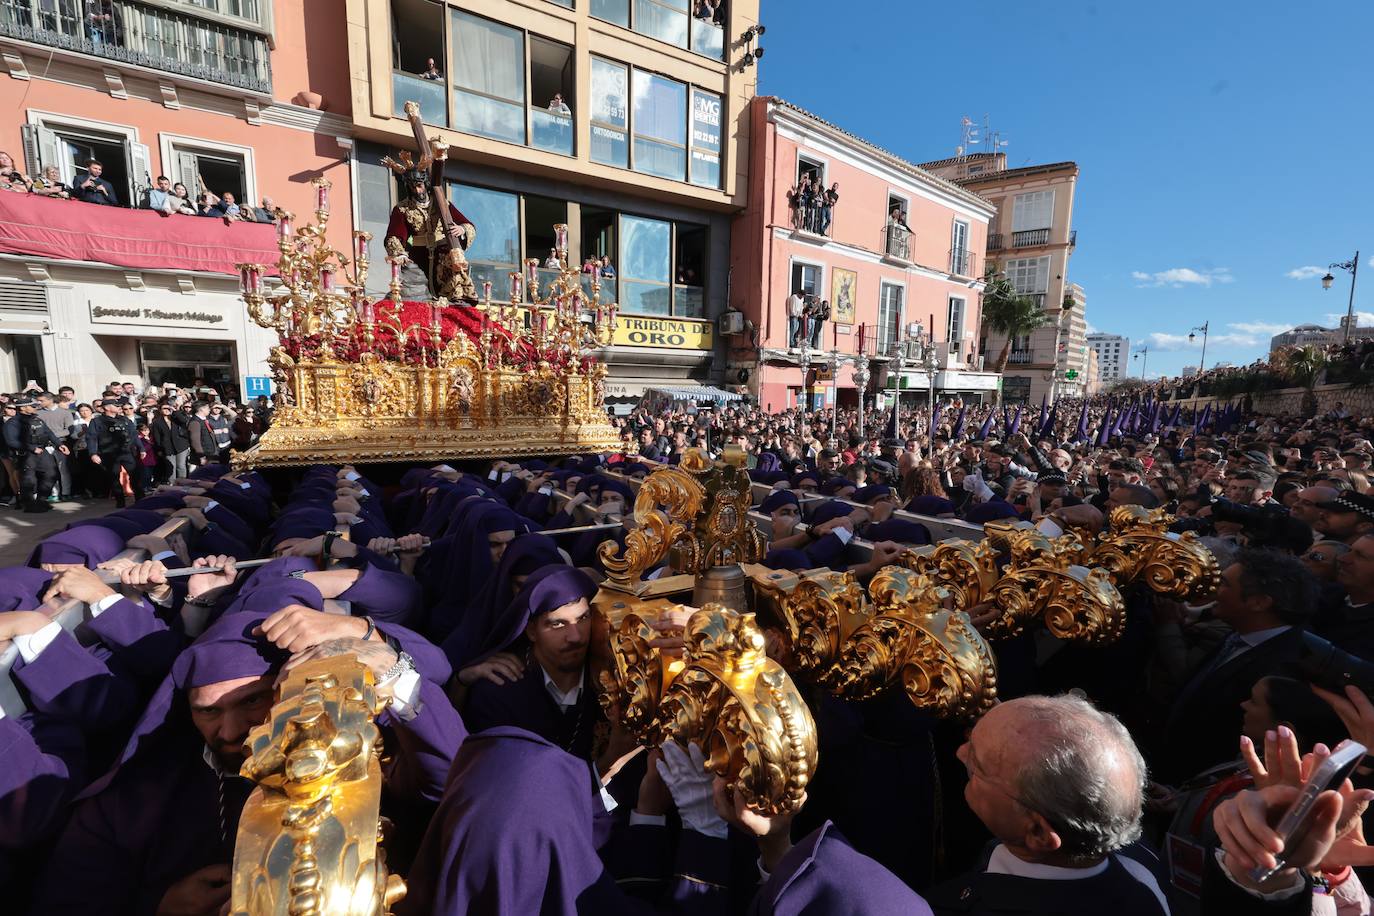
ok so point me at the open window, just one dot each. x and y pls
(689, 293)
(69, 144)
(551, 95)
(897, 232)
(418, 60)
(541, 215)
(599, 241)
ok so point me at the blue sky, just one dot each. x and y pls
(1224, 146)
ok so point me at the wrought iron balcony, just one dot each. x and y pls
(961, 262)
(1021, 357)
(144, 36)
(994, 241)
(1030, 237)
(898, 242)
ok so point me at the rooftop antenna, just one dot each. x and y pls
(976, 139)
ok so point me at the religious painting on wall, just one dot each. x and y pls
(843, 292)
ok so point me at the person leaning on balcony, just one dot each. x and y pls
(94, 189)
(267, 213)
(183, 196)
(897, 218)
(431, 71)
(828, 201)
(49, 184)
(796, 308)
(558, 106)
(161, 198)
(11, 179)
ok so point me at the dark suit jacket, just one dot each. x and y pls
(92, 196)
(1115, 891)
(170, 437)
(1204, 724)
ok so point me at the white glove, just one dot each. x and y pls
(688, 781)
(973, 482)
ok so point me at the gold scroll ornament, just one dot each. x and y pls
(308, 838)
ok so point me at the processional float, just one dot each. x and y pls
(359, 380)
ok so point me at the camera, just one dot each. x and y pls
(1326, 666)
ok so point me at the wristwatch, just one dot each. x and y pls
(403, 664)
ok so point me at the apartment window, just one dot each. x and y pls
(954, 321)
(812, 167)
(958, 250)
(417, 29)
(551, 91)
(70, 144)
(706, 111)
(617, 11)
(807, 278)
(646, 264)
(689, 255)
(610, 115)
(488, 78)
(659, 129)
(201, 169)
(1029, 275)
(889, 316)
(495, 252)
(1033, 210)
(665, 20)
(541, 215)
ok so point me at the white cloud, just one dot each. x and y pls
(1305, 273)
(1260, 328)
(1247, 336)
(1362, 319)
(1092, 328)
(1179, 277)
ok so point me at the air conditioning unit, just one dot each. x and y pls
(732, 322)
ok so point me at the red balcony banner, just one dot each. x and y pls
(38, 226)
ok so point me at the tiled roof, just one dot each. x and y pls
(953, 159)
(1017, 173)
(893, 158)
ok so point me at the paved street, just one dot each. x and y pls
(19, 531)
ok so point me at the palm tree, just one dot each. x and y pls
(1305, 366)
(1008, 312)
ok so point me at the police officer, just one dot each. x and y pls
(36, 449)
(112, 440)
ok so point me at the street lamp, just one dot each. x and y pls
(1145, 362)
(1353, 265)
(1204, 328)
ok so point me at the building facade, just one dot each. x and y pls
(1094, 375)
(1113, 353)
(887, 281)
(1030, 241)
(235, 96)
(626, 122)
(1316, 335)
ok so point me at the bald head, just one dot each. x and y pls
(1074, 773)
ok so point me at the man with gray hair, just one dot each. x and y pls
(1060, 785)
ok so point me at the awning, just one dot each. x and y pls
(693, 393)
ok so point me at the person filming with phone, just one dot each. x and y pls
(94, 189)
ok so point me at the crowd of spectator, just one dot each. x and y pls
(812, 204)
(119, 444)
(164, 197)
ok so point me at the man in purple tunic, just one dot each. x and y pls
(533, 674)
(158, 830)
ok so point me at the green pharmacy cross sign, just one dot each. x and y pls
(1071, 374)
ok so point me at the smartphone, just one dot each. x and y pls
(1221, 465)
(1333, 771)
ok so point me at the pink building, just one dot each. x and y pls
(898, 258)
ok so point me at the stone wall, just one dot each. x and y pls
(1279, 401)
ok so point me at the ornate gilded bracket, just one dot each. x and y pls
(308, 837)
(1141, 549)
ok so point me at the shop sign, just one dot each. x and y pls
(671, 333)
(172, 317)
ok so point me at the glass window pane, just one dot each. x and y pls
(659, 159)
(489, 61)
(705, 170)
(708, 38)
(660, 108)
(644, 249)
(617, 11)
(665, 20)
(689, 302)
(428, 94)
(552, 132)
(497, 218)
(610, 84)
(644, 298)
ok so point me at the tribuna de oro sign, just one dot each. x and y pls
(674, 333)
